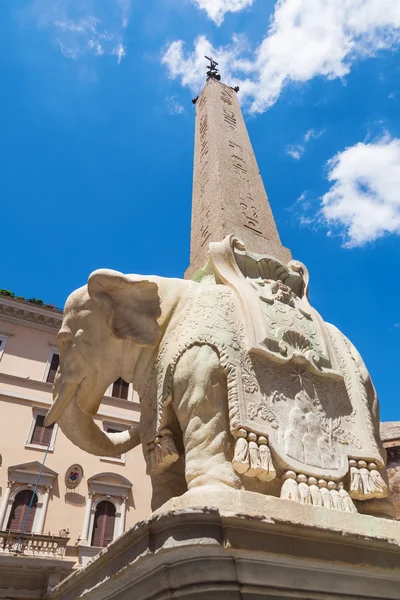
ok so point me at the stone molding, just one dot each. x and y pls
(297, 551)
(19, 311)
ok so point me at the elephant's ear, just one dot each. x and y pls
(130, 304)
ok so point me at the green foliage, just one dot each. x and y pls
(36, 301)
(7, 293)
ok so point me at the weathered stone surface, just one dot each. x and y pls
(241, 383)
(228, 192)
(242, 545)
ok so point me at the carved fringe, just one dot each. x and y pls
(364, 483)
(377, 483)
(290, 489)
(335, 496)
(315, 492)
(252, 456)
(307, 491)
(304, 490)
(356, 486)
(325, 494)
(241, 461)
(347, 502)
(267, 468)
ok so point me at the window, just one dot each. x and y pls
(19, 512)
(120, 389)
(393, 457)
(104, 524)
(114, 428)
(3, 342)
(52, 367)
(39, 436)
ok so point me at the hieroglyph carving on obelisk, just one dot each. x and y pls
(228, 192)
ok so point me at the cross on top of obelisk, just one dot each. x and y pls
(228, 192)
(212, 71)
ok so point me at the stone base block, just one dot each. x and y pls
(217, 544)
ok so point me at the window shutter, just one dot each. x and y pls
(41, 434)
(19, 511)
(55, 361)
(120, 389)
(104, 521)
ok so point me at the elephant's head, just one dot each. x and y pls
(106, 324)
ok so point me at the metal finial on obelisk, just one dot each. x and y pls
(212, 71)
(228, 192)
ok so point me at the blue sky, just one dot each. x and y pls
(97, 144)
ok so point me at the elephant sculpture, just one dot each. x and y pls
(241, 383)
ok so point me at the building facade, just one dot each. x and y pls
(390, 434)
(58, 505)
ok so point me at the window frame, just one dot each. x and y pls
(36, 412)
(3, 338)
(53, 350)
(117, 518)
(109, 390)
(118, 427)
(38, 511)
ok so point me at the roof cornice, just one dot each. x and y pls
(18, 311)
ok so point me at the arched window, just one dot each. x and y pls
(19, 511)
(104, 523)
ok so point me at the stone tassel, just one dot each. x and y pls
(315, 492)
(378, 485)
(325, 494)
(241, 459)
(336, 498)
(254, 456)
(290, 489)
(356, 487)
(267, 468)
(365, 478)
(168, 448)
(304, 490)
(347, 502)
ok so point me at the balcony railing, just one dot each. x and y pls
(33, 544)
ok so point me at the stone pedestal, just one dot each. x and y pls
(215, 544)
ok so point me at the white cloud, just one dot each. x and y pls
(120, 52)
(305, 39)
(216, 9)
(83, 28)
(174, 107)
(364, 200)
(296, 151)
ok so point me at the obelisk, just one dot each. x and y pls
(228, 192)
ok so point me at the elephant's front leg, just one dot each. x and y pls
(201, 405)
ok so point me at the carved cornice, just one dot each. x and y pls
(18, 311)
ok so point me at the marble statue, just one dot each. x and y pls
(242, 384)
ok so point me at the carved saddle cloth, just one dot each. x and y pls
(291, 377)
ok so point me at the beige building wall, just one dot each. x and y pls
(28, 340)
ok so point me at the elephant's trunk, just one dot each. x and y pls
(81, 430)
